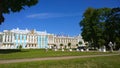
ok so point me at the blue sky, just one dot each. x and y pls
(54, 16)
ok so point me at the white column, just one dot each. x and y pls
(30, 39)
(6, 38)
(27, 38)
(33, 39)
(3, 37)
(53, 40)
(36, 39)
(60, 40)
(45, 41)
(41, 41)
(12, 37)
(9, 38)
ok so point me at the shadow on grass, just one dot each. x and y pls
(6, 51)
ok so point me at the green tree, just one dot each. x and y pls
(112, 26)
(80, 43)
(117, 43)
(19, 47)
(87, 45)
(61, 45)
(65, 46)
(86, 26)
(7, 6)
(69, 45)
(54, 45)
(89, 23)
(101, 42)
(77, 45)
(93, 25)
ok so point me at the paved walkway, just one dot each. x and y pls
(50, 58)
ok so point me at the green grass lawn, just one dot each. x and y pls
(36, 53)
(96, 62)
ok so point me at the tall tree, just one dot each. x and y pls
(112, 26)
(89, 23)
(86, 28)
(7, 6)
(93, 25)
(100, 26)
(102, 17)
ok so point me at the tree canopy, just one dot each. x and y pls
(7, 6)
(100, 26)
(69, 45)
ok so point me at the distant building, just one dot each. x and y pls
(11, 39)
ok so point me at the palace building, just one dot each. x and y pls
(11, 39)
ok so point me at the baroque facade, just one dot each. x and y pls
(11, 39)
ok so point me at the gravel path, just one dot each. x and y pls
(50, 58)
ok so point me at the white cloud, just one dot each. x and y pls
(52, 15)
